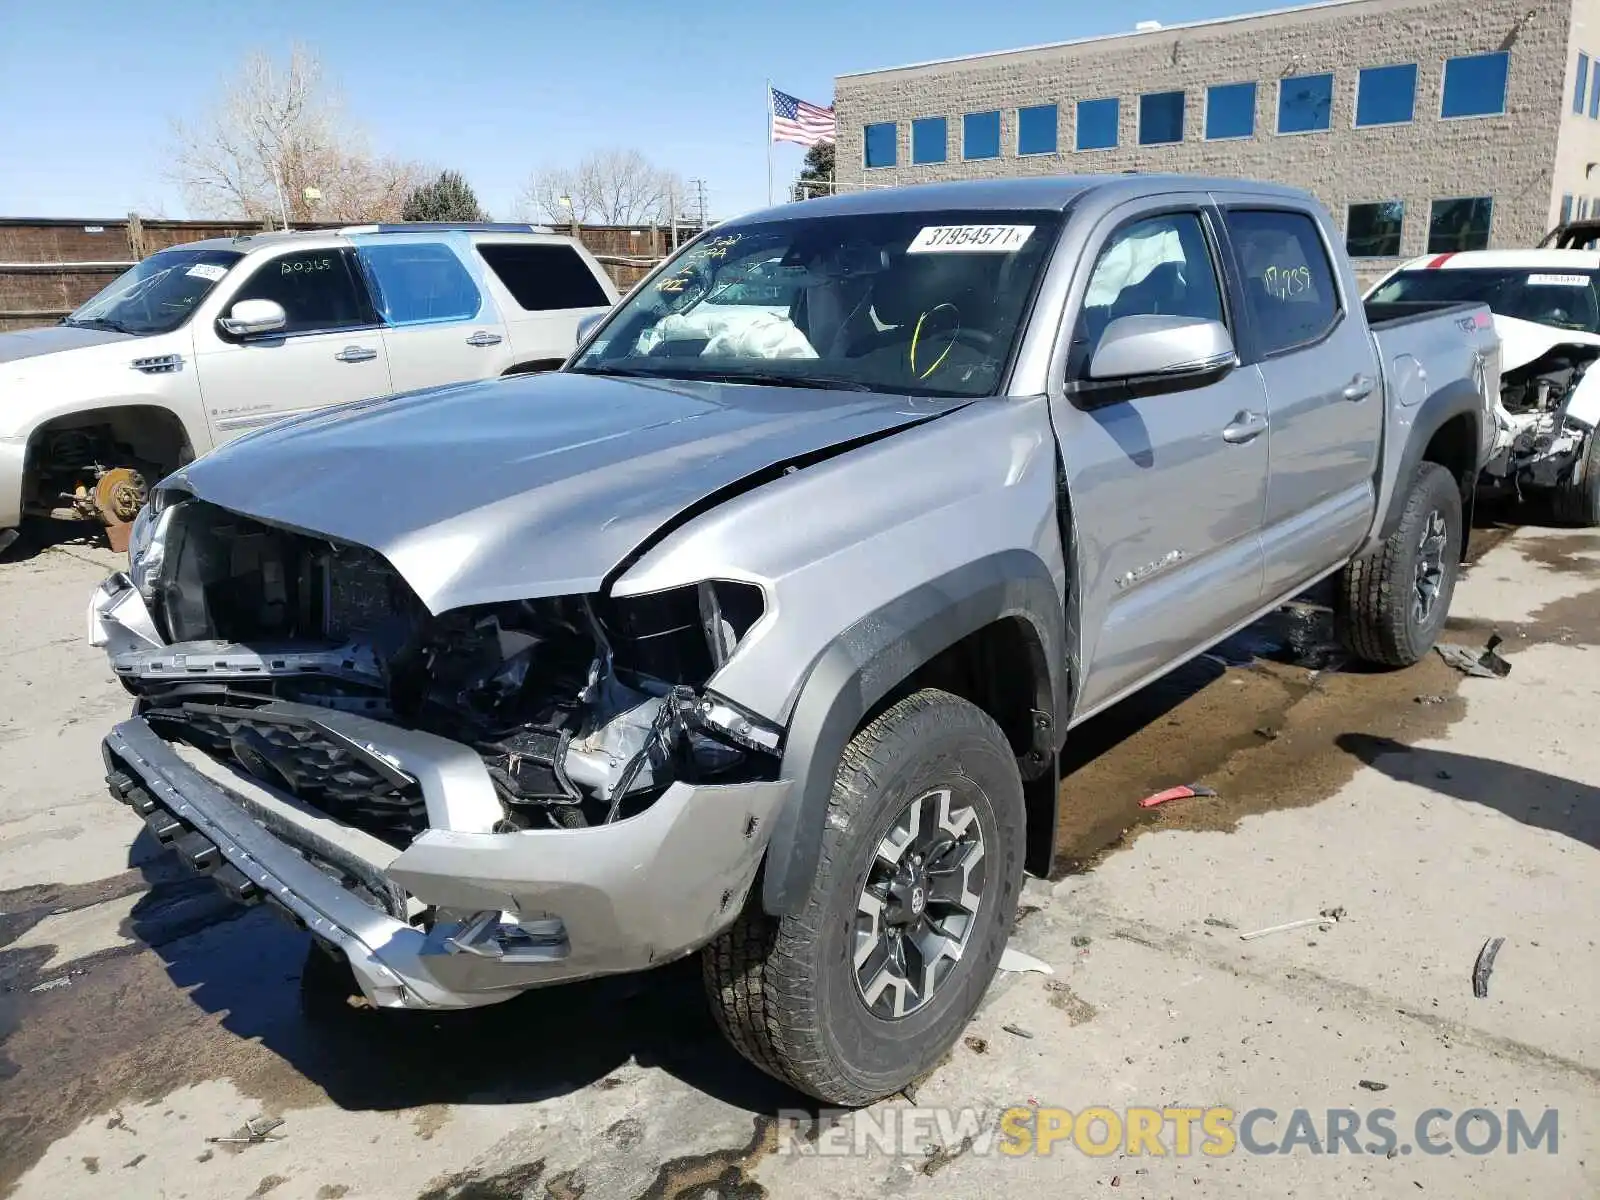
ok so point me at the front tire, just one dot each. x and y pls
(869, 984)
(1392, 602)
(1578, 503)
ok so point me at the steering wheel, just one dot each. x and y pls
(979, 339)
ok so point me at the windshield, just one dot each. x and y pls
(911, 303)
(157, 295)
(1561, 297)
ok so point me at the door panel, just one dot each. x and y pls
(1323, 395)
(440, 327)
(330, 352)
(1166, 512)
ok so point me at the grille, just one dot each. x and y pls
(295, 756)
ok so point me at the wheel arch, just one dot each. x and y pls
(156, 433)
(971, 631)
(1446, 431)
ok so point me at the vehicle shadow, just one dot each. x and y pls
(244, 966)
(37, 534)
(1533, 797)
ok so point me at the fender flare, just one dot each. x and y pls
(1457, 398)
(877, 653)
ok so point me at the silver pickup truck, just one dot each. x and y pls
(756, 629)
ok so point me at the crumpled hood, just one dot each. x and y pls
(30, 343)
(534, 486)
(1523, 341)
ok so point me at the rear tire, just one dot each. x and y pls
(869, 984)
(1392, 603)
(1579, 503)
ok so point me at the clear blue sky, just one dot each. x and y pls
(493, 88)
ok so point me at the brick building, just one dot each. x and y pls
(1424, 125)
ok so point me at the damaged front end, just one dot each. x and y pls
(1549, 405)
(517, 793)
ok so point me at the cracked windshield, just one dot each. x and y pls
(913, 303)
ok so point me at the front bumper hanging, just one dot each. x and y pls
(457, 920)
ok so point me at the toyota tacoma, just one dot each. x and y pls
(756, 629)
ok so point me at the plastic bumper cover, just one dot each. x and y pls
(513, 910)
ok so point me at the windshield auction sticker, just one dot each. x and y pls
(207, 271)
(956, 239)
(1558, 281)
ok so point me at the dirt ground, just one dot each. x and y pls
(142, 1018)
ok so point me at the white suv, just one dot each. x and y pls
(198, 343)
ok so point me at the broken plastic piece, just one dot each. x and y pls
(1017, 961)
(1483, 664)
(1484, 967)
(1183, 792)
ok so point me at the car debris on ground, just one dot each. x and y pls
(1484, 966)
(256, 1130)
(1327, 918)
(1020, 963)
(1184, 791)
(1481, 664)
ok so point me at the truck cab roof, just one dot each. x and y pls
(1044, 192)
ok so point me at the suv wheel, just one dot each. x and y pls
(1579, 503)
(1392, 602)
(870, 983)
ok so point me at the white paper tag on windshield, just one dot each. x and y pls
(963, 239)
(207, 271)
(1558, 281)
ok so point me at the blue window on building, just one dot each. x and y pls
(881, 148)
(1594, 91)
(1097, 123)
(1036, 129)
(1566, 209)
(1230, 111)
(930, 140)
(1581, 83)
(1386, 95)
(1475, 85)
(1373, 230)
(980, 135)
(1463, 224)
(1305, 103)
(1160, 118)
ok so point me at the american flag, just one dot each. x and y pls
(796, 121)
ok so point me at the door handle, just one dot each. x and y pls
(1246, 427)
(356, 354)
(483, 338)
(1359, 388)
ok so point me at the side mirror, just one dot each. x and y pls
(1157, 348)
(586, 325)
(251, 318)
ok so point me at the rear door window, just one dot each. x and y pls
(1289, 288)
(416, 283)
(541, 278)
(318, 289)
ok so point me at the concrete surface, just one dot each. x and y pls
(141, 1016)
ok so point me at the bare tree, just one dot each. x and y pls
(277, 141)
(611, 187)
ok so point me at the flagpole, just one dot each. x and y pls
(769, 143)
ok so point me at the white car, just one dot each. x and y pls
(1546, 306)
(201, 342)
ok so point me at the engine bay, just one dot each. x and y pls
(1539, 438)
(583, 709)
